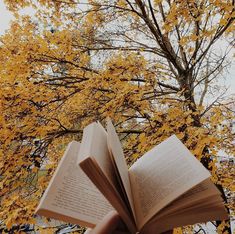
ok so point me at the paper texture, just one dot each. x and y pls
(94, 144)
(205, 190)
(72, 194)
(186, 218)
(98, 166)
(161, 175)
(116, 152)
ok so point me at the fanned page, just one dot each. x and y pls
(96, 162)
(71, 196)
(202, 198)
(191, 217)
(94, 144)
(204, 191)
(162, 175)
(117, 154)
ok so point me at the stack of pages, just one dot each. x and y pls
(166, 188)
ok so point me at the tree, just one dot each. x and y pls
(149, 65)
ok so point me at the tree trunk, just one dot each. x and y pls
(188, 94)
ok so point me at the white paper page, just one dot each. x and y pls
(72, 194)
(115, 147)
(94, 144)
(162, 175)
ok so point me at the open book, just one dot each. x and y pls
(166, 188)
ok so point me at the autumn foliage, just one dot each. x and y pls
(154, 67)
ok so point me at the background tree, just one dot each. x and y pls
(154, 67)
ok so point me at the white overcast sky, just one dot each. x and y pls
(6, 17)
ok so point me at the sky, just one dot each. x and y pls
(6, 17)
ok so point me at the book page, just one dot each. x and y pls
(197, 194)
(206, 214)
(98, 166)
(94, 144)
(193, 206)
(162, 175)
(116, 152)
(72, 195)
